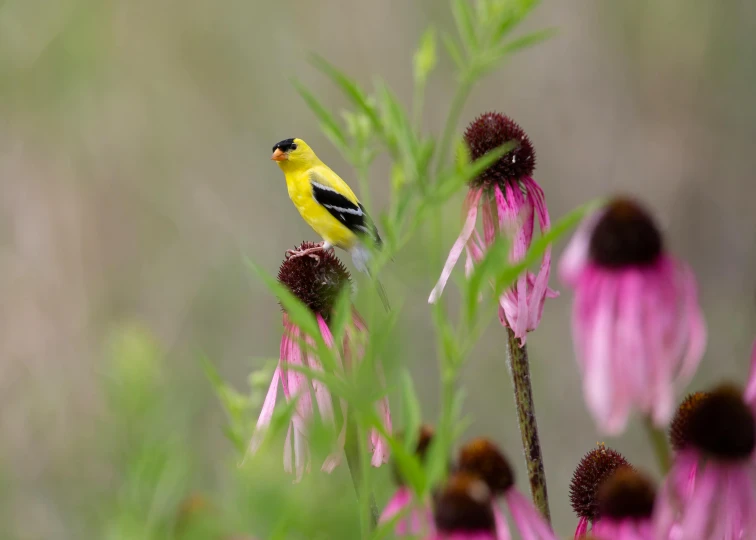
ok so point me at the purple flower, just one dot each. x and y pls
(638, 328)
(480, 457)
(709, 493)
(317, 284)
(595, 468)
(418, 519)
(510, 201)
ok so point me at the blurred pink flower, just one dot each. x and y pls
(481, 458)
(511, 201)
(625, 507)
(710, 493)
(316, 281)
(637, 326)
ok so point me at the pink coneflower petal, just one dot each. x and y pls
(473, 198)
(750, 390)
(582, 528)
(266, 414)
(502, 527)
(530, 523)
(696, 520)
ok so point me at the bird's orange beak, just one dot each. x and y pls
(279, 156)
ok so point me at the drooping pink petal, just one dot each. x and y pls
(750, 390)
(528, 520)
(416, 520)
(582, 528)
(266, 414)
(473, 198)
(540, 288)
(695, 520)
(502, 527)
(575, 256)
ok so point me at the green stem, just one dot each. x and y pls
(359, 469)
(658, 440)
(458, 102)
(520, 371)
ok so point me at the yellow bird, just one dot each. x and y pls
(327, 204)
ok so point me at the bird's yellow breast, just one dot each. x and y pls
(331, 229)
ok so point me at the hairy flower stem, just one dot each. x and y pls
(358, 469)
(520, 371)
(658, 439)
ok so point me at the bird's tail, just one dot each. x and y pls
(360, 258)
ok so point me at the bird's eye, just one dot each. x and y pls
(293, 146)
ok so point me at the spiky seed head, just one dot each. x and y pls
(482, 458)
(595, 467)
(488, 132)
(625, 236)
(316, 282)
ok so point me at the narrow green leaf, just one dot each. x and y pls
(509, 274)
(335, 385)
(295, 309)
(493, 264)
(452, 180)
(341, 316)
(425, 58)
(527, 40)
(408, 464)
(411, 412)
(350, 89)
(464, 19)
(513, 16)
(454, 52)
(328, 121)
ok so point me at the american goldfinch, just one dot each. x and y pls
(327, 204)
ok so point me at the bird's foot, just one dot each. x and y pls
(309, 252)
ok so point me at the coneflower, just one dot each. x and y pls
(626, 506)
(317, 284)
(593, 470)
(482, 458)
(709, 493)
(418, 519)
(638, 329)
(510, 202)
(462, 510)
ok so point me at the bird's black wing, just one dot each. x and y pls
(352, 215)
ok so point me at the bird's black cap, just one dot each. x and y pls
(285, 145)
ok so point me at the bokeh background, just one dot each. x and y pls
(135, 177)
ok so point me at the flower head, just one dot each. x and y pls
(490, 131)
(462, 510)
(638, 328)
(626, 505)
(481, 458)
(592, 471)
(511, 202)
(317, 284)
(679, 429)
(709, 492)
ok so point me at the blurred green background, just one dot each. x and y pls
(134, 177)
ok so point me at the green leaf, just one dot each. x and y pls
(335, 385)
(508, 275)
(328, 122)
(513, 16)
(425, 58)
(454, 52)
(341, 315)
(528, 40)
(493, 264)
(411, 412)
(463, 17)
(350, 89)
(452, 180)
